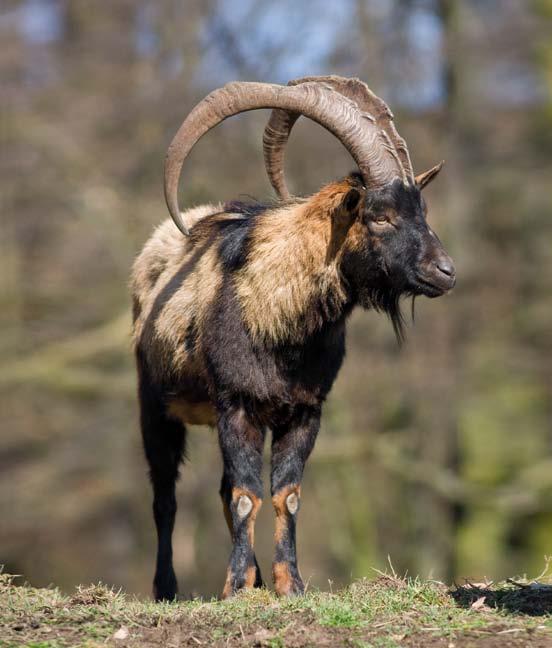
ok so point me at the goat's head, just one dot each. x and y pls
(390, 249)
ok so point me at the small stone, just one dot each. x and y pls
(479, 604)
(263, 638)
(122, 633)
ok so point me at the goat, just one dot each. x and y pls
(240, 324)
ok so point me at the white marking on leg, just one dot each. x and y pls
(244, 506)
(292, 503)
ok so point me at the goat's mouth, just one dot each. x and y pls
(433, 286)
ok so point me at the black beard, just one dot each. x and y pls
(383, 300)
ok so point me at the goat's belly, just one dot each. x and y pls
(191, 413)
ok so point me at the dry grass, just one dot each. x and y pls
(385, 612)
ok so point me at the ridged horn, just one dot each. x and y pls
(374, 109)
(358, 131)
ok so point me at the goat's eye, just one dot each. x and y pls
(382, 221)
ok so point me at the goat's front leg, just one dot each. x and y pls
(241, 443)
(291, 447)
(226, 497)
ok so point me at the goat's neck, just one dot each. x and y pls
(290, 287)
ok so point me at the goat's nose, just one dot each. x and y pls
(444, 264)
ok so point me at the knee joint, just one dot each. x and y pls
(287, 499)
(245, 506)
(245, 503)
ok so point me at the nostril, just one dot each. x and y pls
(445, 266)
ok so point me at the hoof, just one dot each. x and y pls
(236, 583)
(258, 578)
(287, 581)
(165, 589)
(295, 588)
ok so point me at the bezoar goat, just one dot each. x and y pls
(240, 323)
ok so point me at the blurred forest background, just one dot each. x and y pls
(438, 455)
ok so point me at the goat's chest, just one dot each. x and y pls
(288, 373)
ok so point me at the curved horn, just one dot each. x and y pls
(356, 129)
(281, 122)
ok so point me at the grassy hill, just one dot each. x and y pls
(385, 612)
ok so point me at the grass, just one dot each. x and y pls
(386, 612)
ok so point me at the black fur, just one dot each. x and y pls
(164, 445)
(191, 336)
(269, 380)
(241, 443)
(238, 562)
(255, 386)
(233, 246)
(292, 443)
(380, 277)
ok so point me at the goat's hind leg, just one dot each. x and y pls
(164, 444)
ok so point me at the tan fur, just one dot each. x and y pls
(227, 590)
(161, 335)
(290, 268)
(193, 266)
(162, 256)
(279, 501)
(193, 413)
(237, 493)
(282, 578)
(175, 279)
(250, 576)
(249, 581)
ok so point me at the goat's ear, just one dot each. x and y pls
(343, 216)
(347, 210)
(427, 176)
(351, 201)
